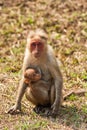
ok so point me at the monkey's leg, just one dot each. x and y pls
(52, 94)
(52, 99)
(38, 97)
(30, 96)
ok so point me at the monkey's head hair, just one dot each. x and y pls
(40, 35)
(38, 32)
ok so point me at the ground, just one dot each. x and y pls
(65, 21)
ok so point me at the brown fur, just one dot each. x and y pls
(48, 89)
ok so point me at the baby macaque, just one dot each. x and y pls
(31, 75)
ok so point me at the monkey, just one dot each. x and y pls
(31, 75)
(47, 91)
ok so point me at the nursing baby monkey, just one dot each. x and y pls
(41, 79)
(32, 75)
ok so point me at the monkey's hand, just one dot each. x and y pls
(16, 109)
(27, 81)
(53, 111)
(55, 108)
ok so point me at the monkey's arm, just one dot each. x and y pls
(58, 93)
(21, 90)
(58, 83)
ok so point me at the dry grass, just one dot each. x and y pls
(66, 24)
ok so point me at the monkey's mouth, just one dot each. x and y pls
(37, 55)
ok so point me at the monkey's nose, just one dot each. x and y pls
(37, 54)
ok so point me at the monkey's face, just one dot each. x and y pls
(36, 47)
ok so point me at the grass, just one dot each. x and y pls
(66, 25)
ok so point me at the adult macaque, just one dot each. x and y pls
(32, 75)
(47, 90)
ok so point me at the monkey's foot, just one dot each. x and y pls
(51, 113)
(39, 109)
(43, 110)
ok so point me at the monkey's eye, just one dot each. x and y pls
(33, 44)
(39, 44)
